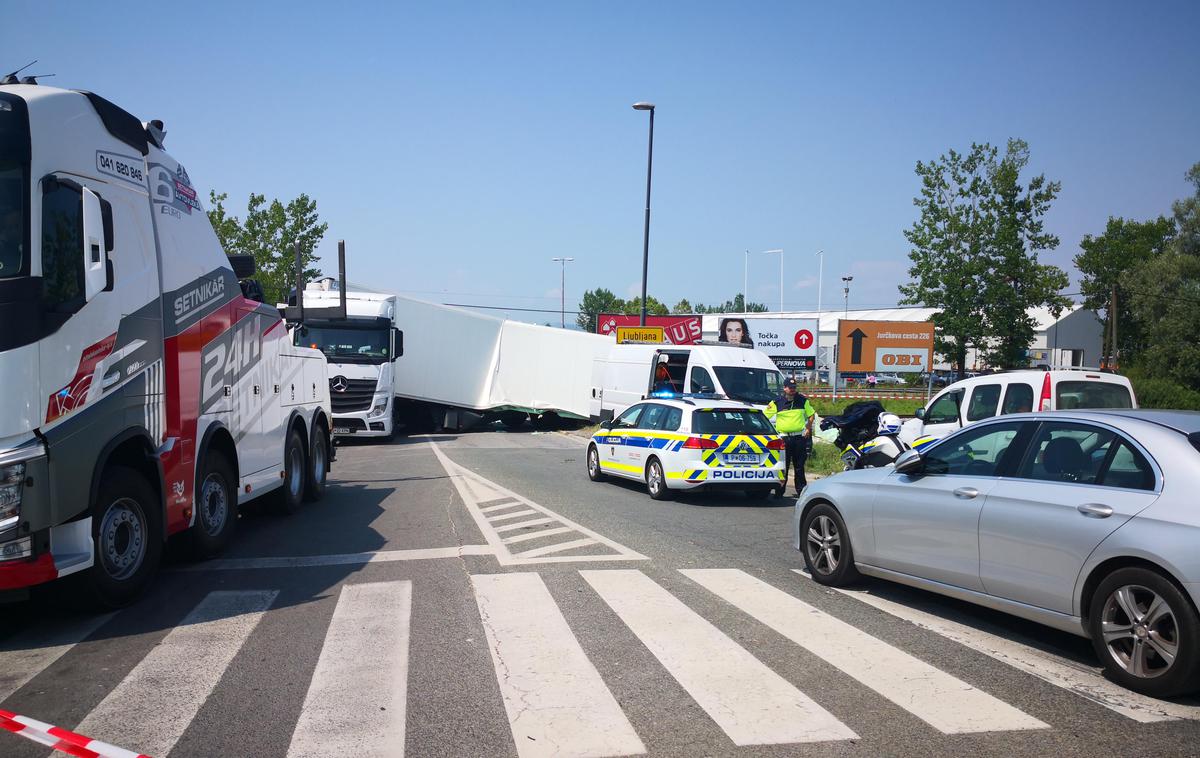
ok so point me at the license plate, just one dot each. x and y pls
(342, 430)
(741, 458)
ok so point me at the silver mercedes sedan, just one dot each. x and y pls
(1084, 521)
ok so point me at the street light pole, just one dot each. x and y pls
(780, 251)
(643, 106)
(745, 280)
(846, 290)
(820, 279)
(562, 291)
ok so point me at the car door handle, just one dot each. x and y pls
(1095, 510)
(966, 492)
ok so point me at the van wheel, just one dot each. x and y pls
(595, 473)
(288, 498)
(1146, 633)
(216, 507)
(127, 540)
(318, 466)
(656, 483)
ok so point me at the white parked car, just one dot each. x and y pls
(982, 397)
(689, 443)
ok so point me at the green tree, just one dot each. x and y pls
(1104, 262)
(949, 242)
(737, 305)
(1014, 280)
(594, 303)
(682, 307)
(1187, 217)
(1164, 298)
(269, 232)
(653, 307)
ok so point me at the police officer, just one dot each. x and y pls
(793, 416)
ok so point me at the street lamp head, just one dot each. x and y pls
(643, 106)
(847, 279)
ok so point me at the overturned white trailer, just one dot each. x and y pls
(459, 368)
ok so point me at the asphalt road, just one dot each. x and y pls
(478, 596)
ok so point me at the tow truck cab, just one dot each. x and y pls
(143, 394)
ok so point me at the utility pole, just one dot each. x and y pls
(563, 289)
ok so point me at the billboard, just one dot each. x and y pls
(677, 330)
(891, 346)
(790, 342)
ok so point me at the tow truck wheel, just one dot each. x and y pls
(216, 507)
(127, 539)
(290, 496)
(318, 466)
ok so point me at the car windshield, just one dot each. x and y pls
(750, 385)
(1092, 395)
(347, 344)
(12, 220)
(731, 421)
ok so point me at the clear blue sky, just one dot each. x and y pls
(458, 147)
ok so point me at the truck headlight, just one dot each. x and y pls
(380, 406)
(12, 483)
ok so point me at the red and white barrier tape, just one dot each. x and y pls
(61, 739)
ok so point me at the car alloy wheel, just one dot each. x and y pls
(593, 462)
(1140, 631)
(824, 545)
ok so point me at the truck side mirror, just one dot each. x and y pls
(397, 343)
(97, 240)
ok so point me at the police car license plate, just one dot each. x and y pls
(741, 458)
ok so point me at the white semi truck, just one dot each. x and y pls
(361, 349)
(143, 395)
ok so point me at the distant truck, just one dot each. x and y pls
(145, 395)
(362, 349)
(629, 373)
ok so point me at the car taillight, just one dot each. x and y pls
(775, 444)
(699, 443)
(1044, 405)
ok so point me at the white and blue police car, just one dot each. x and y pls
(689, 442)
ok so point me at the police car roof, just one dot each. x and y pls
(696, 403)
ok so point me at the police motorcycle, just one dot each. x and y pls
(868, 436)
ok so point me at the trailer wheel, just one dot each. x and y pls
(127, 539)
(513, 419)
(288, 498)
(216, 507)
(318, 466)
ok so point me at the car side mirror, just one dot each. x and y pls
(606, 425)
(910, 462)
(921, 413)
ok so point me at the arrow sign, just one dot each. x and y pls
(858, 335)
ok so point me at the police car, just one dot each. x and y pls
(688, 442)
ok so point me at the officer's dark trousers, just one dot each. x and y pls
(797, 454)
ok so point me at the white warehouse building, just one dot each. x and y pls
(1074, 338)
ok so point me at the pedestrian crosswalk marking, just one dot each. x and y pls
(25, 656)
(153, 705)
(556, 702)
(1081, 681)
(364, 660)
(536, 535)
(946, 703)
(490, 505)
(752, 704)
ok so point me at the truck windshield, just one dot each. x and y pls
(750, 385)
(13, 255)
(347, 344)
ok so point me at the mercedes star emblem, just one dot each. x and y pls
(339, 384)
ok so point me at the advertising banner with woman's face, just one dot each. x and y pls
(790, 342)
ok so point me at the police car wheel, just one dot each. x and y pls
(656, 482)
(593, 464)
(759, 493)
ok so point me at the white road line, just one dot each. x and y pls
(152, 706)
(557, 703)
(345, 559)
(1084, 682)
(357, 700)
(557, 548)
(475, 490)
(523, 524)
(946, 703)
(535, 535)
(501, 507)
(750, 702)
(31, 652)
(509, 516)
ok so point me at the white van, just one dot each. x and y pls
(630, 373)
(982, 397)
